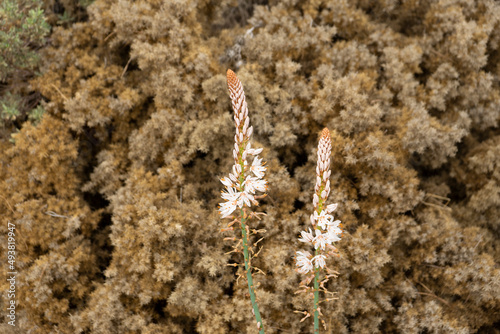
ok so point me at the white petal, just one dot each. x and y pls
(226, 182)
(331, 207)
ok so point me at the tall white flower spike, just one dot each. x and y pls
(243, 184)
(240, 181)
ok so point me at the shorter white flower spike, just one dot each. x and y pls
(326, 230)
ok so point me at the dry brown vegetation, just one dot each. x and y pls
(114, 194)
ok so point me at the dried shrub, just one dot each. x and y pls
(139, 118)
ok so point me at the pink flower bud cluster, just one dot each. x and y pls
(241, 186)
(326, 230)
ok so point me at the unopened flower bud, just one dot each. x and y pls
(245, 109)
(331, 207)
(249, 131)
(315, 200)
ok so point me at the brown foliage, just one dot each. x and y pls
(115, 192)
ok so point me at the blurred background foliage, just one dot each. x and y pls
(116, 127)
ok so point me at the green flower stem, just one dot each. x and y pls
(316, 299)
(316, 270)
(248, 269)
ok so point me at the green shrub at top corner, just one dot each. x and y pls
(22, 31)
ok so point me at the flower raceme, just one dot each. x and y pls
(241, 186)
(326, 232)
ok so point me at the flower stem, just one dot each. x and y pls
(316, 300)
(248, 269)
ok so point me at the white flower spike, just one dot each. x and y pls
(243, 184)
(326, 230)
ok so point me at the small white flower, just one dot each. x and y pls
(320, 240)
(250, 150)
(231, 194)
(323, 219)
(303, 261)
(319, 261)
(335, 223)
(306, 236)
(245, 198)
(225, 209)
(258, 168)
(252, 184)
(333, 234)
(231, 197)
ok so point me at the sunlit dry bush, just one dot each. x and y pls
(139, 131)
